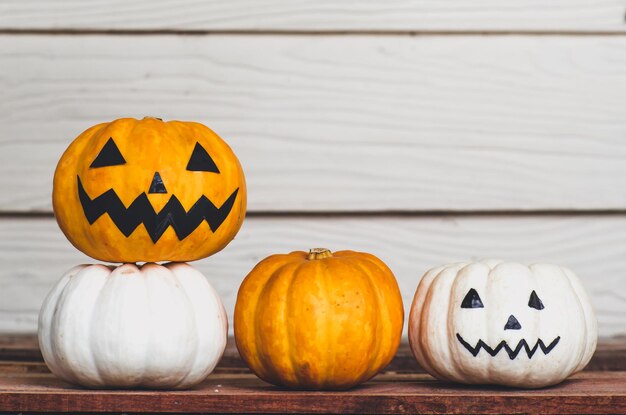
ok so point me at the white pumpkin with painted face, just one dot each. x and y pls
(155, 326)
(494, 322)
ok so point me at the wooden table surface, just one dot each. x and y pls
(27, 386)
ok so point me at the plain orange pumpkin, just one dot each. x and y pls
(318, 320)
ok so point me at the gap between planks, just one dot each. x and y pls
(291, 32)
(9, 214)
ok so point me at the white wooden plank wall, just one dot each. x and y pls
(34, 253)
(369, 123)
(423, 132)
(316, 15)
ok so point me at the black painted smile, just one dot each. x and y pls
(141, 211)
(522, 345)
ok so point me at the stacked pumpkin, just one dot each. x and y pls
(141, 191)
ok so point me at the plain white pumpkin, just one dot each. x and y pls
(457, 335)
(154, 326)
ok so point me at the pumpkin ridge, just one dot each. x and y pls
(192, 360)
(249, 349)
(104, 280)
(257, 330)
(62, 300)
(590, 319)
(486, 266)
(491, 366)
(146, 290)
(567, 278)
(453, 271)
(329, 267)
(458, 370)
(290, 330)
(273, 375)
(426, 310)
(391, 290)
(46, 315)
(328, 285)
(189, 278)
(416, 315)
(536, 321)
(374, 361)
(92, 337)
(62, 304)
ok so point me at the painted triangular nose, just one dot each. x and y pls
(157, 185)
(512, 324)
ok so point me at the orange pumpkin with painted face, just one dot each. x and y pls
(148, 190)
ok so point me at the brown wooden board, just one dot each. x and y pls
(26, 385)
(588, 392)
(610, 355)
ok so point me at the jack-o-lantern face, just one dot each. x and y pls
(494, 322)
(147, 190)
(473, 300)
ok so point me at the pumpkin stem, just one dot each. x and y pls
(153, 118)
(319, 253)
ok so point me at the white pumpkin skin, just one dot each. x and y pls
(155, 326)
(504, 288)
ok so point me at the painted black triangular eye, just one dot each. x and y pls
(109, 156)
(535, 302)
(201, 161)
(472, 300)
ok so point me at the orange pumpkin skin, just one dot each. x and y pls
(318, 320)
(148, 146)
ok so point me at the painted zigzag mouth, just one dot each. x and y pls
(522, 345)
(141, 211)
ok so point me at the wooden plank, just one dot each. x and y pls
(11, 367)
(580, 15)
(34, 253)
(587, 392)
(19, 347)
(21, 354)
(338, 123)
